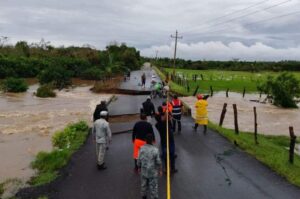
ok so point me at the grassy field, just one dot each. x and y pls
(222, 80)
(271, 150)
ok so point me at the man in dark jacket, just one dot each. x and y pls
(140, 130)
(148, 109)
(100, 107)
(161, 126)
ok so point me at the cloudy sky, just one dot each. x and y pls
(211, 29)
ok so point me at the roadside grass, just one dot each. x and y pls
(174, 87)
(65, 143)
(271, 150)
(222, 80)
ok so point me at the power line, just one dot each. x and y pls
(251, 13)
(276, 17)
(232, 13)
(248, 14)
(257, 22)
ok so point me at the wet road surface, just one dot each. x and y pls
(209, 168)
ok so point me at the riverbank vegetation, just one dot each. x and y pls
(57, 65)
(65, 143)
(271, 150)
(16, 85)
(284, 89)
(45, 91)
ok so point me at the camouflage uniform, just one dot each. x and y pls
(150, 163)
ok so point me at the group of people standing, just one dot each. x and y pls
(147, 158)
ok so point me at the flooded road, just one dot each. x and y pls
(28, 122)
(272, 120)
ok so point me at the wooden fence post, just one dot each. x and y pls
(211, 91)
(227, 92)
(255, 125)
(196, 90)
(236, 126)
(202, 77)
(223, 114)
(244, 92)
(292, 144)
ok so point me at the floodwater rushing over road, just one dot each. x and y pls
(272, 120)
(28, 122)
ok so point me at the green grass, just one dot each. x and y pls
(222, 80)
(271, 150)
(65, 143)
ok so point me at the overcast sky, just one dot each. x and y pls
(211, 29)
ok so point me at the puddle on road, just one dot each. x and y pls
(272, 120)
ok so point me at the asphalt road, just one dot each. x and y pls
(209, 168)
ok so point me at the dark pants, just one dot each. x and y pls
(204, 127)
(172, 155)
(176, 119)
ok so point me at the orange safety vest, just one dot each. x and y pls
(170, 108)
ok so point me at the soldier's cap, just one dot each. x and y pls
(103, 113)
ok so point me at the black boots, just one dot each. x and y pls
(101, 167)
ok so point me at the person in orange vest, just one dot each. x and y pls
(140, 130)
(176, 113)
(164, 106)
(201, 112)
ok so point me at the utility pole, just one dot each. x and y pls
(174, 61)
(156, 53)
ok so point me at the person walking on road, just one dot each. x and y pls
(201, 113)
(102, 135)
(143, 78)
(148, 109)
(149, 164)
(176, 113)
(161, 126)
(140, 130)
(100, 107)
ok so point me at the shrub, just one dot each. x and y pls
(1, 188)
(93, 73)
(284, 88)
(15, 85)
(69, 136)
(58, 76)
(45, 91)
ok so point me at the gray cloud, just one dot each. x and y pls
(148, 25)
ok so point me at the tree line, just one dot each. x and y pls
(58, 65)
(233, 65)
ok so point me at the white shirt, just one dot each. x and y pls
(102, 131)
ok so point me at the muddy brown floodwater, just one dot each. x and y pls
(28, 122)
(272, 120)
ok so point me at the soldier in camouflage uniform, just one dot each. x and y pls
(150, 166)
